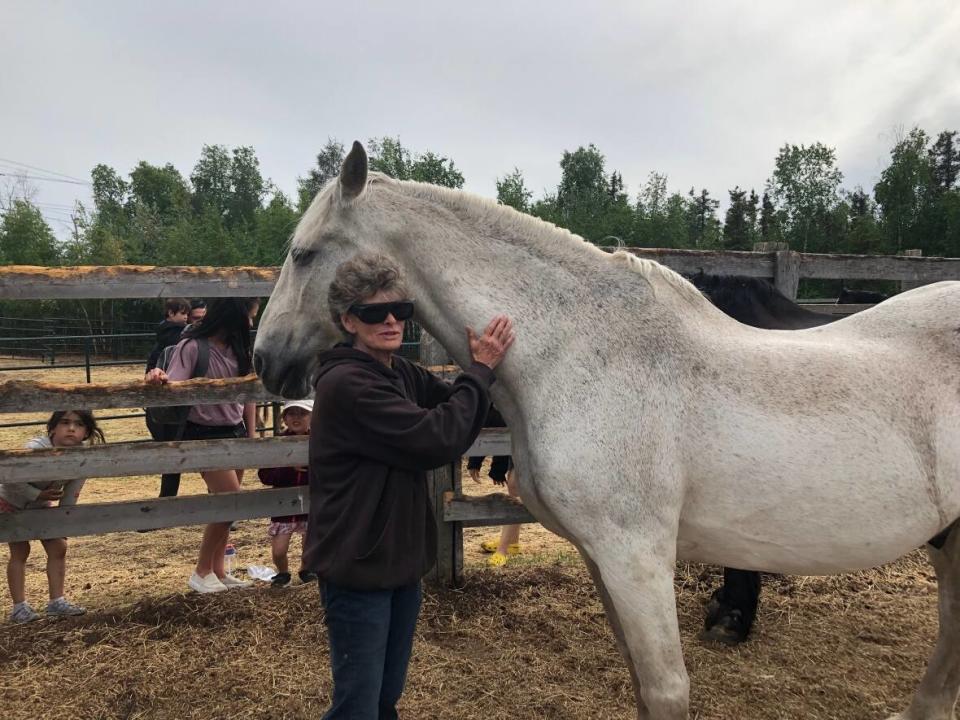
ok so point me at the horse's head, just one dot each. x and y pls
(296, 325)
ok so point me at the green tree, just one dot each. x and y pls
(162, 189)
(247, 188)
(274, 227)
(327, 167)
(903, 191)
(738, 228)
(211, 181)
(389, 156)
(512, 191)
(589, 202)
(863, 233)
(25, 237)
(944, 158)
(704, 227)
(805, 185)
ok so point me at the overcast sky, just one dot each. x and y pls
(704, 92)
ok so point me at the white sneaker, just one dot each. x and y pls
(232, 583)
(207, 584)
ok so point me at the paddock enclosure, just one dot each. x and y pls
(526, 641)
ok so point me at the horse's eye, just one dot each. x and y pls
(302, 256)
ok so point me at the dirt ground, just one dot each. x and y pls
(526, 641)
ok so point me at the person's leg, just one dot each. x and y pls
(59, 606)
(169, 482)
(56, 550)
(279, 546)
(358, 626)
(215, 535)
(17, 571)
(405, 608)
(509, 534)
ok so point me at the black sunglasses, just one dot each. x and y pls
(373, 313)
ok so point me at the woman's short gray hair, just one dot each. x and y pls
(358, 278)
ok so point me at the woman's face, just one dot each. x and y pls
(69, 431)
(253, 313)
(385, 337)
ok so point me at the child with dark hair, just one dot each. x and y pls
(177, 312)
(65, 428)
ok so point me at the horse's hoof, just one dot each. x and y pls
(719, 635)
(726, 630)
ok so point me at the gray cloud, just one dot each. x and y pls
(705, 93)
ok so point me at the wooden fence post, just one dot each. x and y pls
(911, 284)
(443, 480)
(786, 272)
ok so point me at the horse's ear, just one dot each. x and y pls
(353, 174)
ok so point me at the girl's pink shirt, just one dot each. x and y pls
(223, 364)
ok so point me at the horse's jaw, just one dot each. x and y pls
(286, 353)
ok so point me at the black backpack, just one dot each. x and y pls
(177, 414)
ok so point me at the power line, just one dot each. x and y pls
(34, 177)
(40, 169)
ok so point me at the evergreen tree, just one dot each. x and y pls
(737, 230)
(944, 158)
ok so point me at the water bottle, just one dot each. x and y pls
(229, 555)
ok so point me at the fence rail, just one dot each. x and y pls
(24, 282)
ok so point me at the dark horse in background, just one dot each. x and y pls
(755, 302)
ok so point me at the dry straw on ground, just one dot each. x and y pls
(528, 641)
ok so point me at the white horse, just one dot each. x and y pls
(648, 426)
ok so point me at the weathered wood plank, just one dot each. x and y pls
(134, 281)
(151, 458)
(879, 267)
(28, 282)
(689, 262)
(492, 509)
(833, 309)
(100, 518)
(32, 395)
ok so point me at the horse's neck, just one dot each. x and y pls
(564, 299)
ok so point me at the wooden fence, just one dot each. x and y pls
(452, 510)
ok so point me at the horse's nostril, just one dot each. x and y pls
(257, 363)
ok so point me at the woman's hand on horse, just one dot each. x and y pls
(490, 347)
(156, 376)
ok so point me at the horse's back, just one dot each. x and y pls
(930, 309)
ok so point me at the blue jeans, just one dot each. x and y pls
(371, 637)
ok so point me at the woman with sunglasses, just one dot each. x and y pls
(379, 423)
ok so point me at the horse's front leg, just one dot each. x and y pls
(637, 573)
(614, 619)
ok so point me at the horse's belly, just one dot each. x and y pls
(812, 503)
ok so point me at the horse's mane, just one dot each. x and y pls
(545, 237)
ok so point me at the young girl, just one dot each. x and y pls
(296, 420)
(65, 428)
(226, 330)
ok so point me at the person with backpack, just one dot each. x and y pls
(225, 335)
(177, 312)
